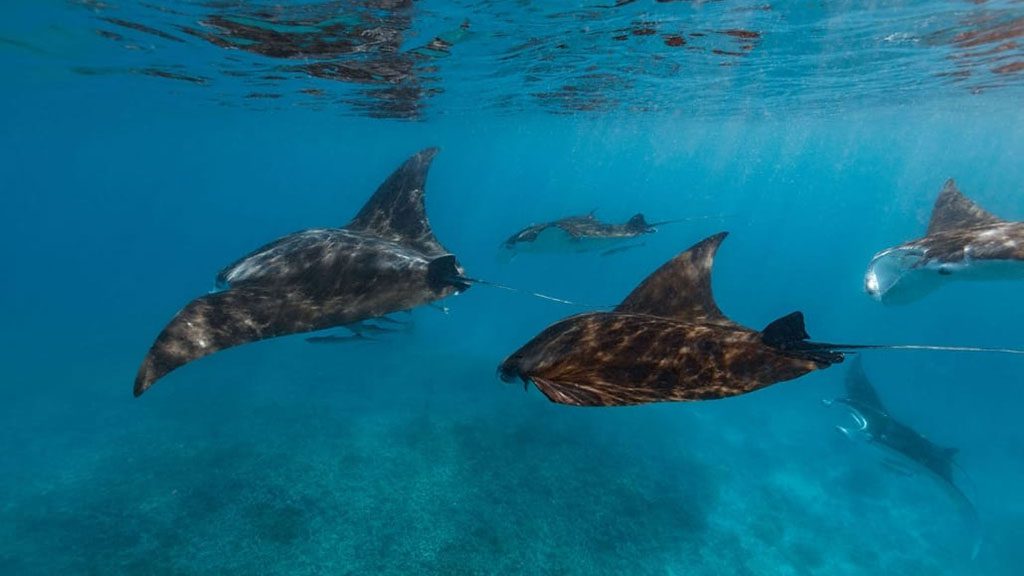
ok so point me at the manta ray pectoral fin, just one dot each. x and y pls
(396, 211)
(681, 288)
(859, 388)
(954, 211)
(209, 324)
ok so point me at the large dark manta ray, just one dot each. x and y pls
(385, 260)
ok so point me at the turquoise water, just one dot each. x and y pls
(124, 193)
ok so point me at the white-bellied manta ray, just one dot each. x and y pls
(963, 242)
(385, 260)
(873, 421)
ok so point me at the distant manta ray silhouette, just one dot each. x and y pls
(669, 342)
(874, 421)
(385, 260)
(582, 234)
(963, 241)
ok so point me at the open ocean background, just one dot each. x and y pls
(124, 192)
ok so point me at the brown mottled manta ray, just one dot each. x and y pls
(386, 259)
(573, 231)
(585, 233)
(669, 342)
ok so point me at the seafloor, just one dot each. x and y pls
(338, 468)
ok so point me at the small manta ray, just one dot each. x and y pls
(963, 241)
(874, 422)
(579, 234)
(669, 342)
(872, 418)
(385, 260)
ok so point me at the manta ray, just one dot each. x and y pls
(963, 241)
(578, 234)
(666, 342)
(874, 422)
(669, 342)
(385, 260)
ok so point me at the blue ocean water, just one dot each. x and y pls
(138, 161)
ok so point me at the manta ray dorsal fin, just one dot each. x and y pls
(396, 211)
(786, 331)
(859, 388)
(955, 211)
(681, 288)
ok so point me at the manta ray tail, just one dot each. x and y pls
(788, 334)
(467, 281)
(208, 324)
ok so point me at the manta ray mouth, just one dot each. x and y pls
(509, 375)
(509, 371)
(887, 268)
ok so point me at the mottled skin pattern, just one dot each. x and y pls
(609, 359)
(961, 235)
(1003, 241)
(579, 228)
(385, 260)
(666, 342)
